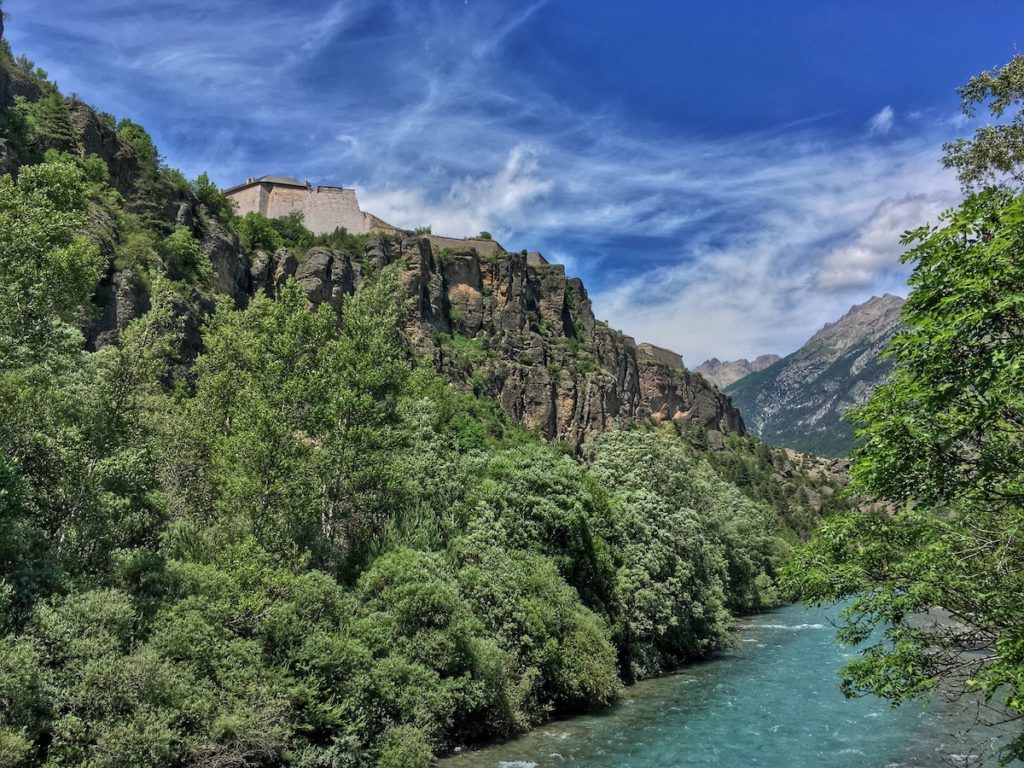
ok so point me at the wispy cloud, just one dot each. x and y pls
(882, 122)
(874, 248)
(728, 246)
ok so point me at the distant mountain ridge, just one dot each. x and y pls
(799, 401)
(723, 373)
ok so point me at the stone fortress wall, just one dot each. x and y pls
(323, 208)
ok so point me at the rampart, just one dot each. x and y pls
(324, 209)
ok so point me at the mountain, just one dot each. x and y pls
(722, 374)
(799, 401)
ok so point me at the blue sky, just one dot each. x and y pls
(725, 176)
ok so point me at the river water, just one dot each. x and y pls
(772, 702)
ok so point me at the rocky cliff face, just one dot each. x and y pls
(800, 401)
(520, 332)
(510, 326)
(722, 374)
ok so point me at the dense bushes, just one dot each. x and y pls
(313, 551)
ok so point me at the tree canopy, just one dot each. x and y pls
(937, 568)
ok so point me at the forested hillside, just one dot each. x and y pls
(264, 529)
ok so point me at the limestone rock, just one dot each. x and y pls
(801, 400)
(541, 354)
(220, 245)
(661, 355)
(722, 374)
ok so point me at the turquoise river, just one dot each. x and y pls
(774, 702)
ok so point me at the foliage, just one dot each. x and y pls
(183, 258)
(258, 233)
(142, 143)
(307, 548)
(944, 445)
(996, 153)
(209, 194)
(47, 270)
(293, 232)
(690, 546)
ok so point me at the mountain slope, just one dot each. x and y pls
(799, 401)
(723, 373)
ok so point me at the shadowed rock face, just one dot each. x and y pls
(800, 401)
(536, 345)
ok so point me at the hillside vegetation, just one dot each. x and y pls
(265, 530)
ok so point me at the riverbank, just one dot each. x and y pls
(773, 702)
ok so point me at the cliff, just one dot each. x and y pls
(508, 325)
(517, 330)
(801, 400)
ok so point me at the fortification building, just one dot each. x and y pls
(324, 209)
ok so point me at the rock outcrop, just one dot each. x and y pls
(723, 373)
(800, 401)
(520, 332)
(99, 137)
(508, 325)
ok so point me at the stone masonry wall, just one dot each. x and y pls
(323, 209)
(250, 199)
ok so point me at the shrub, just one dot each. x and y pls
(142, 143)
(209, 194)
(257, 233)
(404, 746)
(183, 258)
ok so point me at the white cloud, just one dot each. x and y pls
(882, 122)
(762, 277)
(471, 204)
(875, 246)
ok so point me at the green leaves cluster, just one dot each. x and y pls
(933, 575)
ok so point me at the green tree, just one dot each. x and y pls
(210, 195)
(48, 271)
(183, 258)
(140, 140)
(257, 233)
(944, 444)
(295, 431)
(995, 155)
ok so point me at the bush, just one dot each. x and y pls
(142, 143)
(404, 746)
(209, 194)
(183, 258)
(293, 232)
(258, 233)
